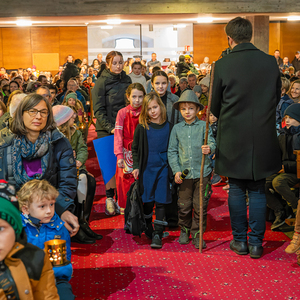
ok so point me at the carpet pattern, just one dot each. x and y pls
(121, 266)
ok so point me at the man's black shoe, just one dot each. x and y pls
(256, 251)
(240, 248)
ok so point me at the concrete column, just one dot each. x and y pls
(260, 38)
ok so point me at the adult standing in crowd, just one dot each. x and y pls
(153, 63)
(248, 150)
(108, 98)
(34, 149)
(279, 60)
(296, 61)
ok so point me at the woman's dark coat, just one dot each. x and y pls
(245, 96)
(108, 98)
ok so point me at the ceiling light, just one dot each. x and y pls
(293, 18)
(179, 26)
(106, 27)
(205, 20)
(113, 22)
(23, 23)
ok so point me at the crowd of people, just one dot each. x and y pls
(155, 114)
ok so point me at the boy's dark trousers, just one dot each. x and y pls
(281, 184)
(189, 200)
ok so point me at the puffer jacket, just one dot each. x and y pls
(4, 120)
(55, 229)
(31, 273)
(108, 98)
(79, 146)
(61, 172)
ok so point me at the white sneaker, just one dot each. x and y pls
(110, 207)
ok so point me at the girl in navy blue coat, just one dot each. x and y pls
(149, 152)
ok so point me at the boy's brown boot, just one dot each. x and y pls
(294, 244)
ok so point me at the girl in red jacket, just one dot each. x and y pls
(126, 122)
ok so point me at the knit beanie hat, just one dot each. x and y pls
(62, 114)
(197, 89)
(188, 96)
(9, 211)
(71, 95)
(205, 81)
(293, 111)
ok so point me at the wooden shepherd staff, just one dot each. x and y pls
(212, 73)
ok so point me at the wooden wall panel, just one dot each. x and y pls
(1, 50)
(45, 39)
(274, 37)
(73, 40)
(16, 48)
(290, 39)
(209, 40)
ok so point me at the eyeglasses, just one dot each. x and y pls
(33, 112)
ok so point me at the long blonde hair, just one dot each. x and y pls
(144, 119)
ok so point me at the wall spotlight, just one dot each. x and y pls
(113, 22)
(24, 23)
(205, 20)
(293, 18)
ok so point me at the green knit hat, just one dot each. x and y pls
(10, 214)
(9, 211)
(71, 95)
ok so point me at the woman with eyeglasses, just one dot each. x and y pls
(34, 149)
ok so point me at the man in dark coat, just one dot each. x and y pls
(245, 96)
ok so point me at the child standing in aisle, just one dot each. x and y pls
(126, 122)
(186, 140)
(150, 164)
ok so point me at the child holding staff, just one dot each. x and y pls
(149, 152)
(126, 122)
(184, 152)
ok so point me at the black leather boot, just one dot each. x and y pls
(90, 196)
(157, 235)
(82, 238)
(84, 225)
(149, 230)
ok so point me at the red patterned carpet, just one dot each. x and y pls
(121, 266)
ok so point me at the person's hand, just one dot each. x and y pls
(282, 170)
(78, 164)
(71, 222)
(113, 131)
(74, 154)
(205, 149)
(177, 177)
(135, 173)
(121, 163)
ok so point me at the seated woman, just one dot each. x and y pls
(34, 149)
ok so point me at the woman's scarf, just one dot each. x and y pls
(23, 148)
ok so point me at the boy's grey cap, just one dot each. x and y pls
(188, 96)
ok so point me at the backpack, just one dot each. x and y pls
(134, 213)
